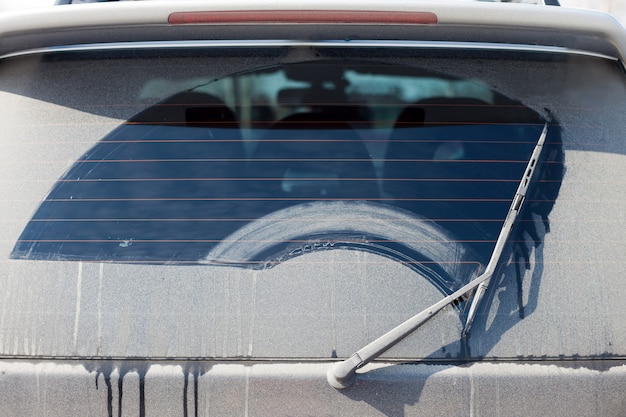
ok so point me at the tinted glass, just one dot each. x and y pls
(180, 177)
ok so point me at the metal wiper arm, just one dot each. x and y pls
(341, 374)
(509, 221)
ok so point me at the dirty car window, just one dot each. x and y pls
(178, 178)
(247, 191)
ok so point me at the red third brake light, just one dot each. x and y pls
(303, 16)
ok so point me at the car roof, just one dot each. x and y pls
(465, 21)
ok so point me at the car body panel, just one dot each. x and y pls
(203, 389)
(516, 23)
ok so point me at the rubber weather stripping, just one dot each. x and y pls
(277, 43)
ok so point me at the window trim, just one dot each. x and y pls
(191, 44)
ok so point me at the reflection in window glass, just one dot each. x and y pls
(183, 175)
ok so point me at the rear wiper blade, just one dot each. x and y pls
(509, 222)
(342, 374)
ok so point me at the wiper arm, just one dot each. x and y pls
(509, 221)
(341, 374)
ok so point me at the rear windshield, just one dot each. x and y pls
(174, 181)
(238, 160)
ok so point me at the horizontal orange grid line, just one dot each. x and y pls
(483, 200)
(490, 241)
(130, 240)
(303, 140)
(383, 199)
(99, 180)
(201, 262)
(260, 219)
(246, 160)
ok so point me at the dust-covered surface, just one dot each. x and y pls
(205, 389)
(321, 305)
(68, 328)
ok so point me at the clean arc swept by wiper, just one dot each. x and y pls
(341, 374)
